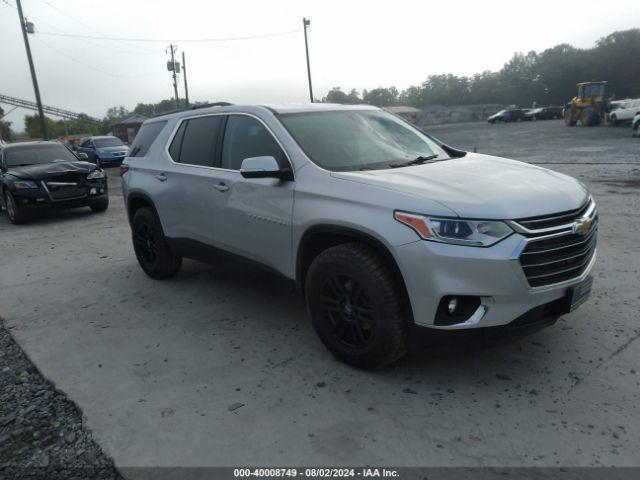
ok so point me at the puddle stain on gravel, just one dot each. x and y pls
(620, 182)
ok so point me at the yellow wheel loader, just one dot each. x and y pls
(590, 106)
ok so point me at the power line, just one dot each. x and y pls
(185, 40)
(141, 50)
(80, 22)
(104, 72)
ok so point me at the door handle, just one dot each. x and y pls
(162, 177)
(221, 187)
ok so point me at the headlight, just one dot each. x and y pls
(96, 174)
(476, 233)
(24, 184)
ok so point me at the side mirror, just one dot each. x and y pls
(82, 156)
(263, 167)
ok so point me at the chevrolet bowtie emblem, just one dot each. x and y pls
(582, 226)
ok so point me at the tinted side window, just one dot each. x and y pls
(145, 138)
(199, 140)
(246, 137)
(176, 143)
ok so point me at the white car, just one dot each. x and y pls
(635, 125)
(625, 112)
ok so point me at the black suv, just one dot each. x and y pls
(41, 175)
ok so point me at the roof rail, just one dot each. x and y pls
(193, 107)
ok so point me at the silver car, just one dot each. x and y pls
(390, 234)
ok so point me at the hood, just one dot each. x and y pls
(51, 170)
(106, 150)
(480, 186)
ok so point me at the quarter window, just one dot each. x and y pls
(246, 137)
(176, 143)
(144, 138)
(198, 141)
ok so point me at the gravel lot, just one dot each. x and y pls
(220, 366)
(41, 431)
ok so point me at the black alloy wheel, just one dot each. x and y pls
(144, 242)
(348, 309)
(356, 306)
(150, 245)
(14, 212)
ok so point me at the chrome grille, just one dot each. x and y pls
(66, 187)
(554, 252)
(555, 220)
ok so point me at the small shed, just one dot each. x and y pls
(127, 129)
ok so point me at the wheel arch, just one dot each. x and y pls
(137, 200)
(318, 238)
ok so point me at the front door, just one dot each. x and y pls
(255, 219)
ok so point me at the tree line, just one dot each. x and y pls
(546, 78)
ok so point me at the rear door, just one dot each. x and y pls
(253, 216)
(185, 194)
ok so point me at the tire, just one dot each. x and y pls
(635, 131)
(99, 205)
(569, 118)
(613, 120)
(14, 212)
(151, 247)
(589, 117)
(356, 307)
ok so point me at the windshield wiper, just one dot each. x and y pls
(416, 161)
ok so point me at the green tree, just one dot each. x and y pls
(115, 114)
(381, 97)
(56, 128)
(163, 106)
(336, 95)
(546, 78)
(5, 131)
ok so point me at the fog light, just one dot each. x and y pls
(454, 309)
(453, 304)
(93, 191)
(39, 200)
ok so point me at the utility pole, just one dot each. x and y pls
(184, 73)
(36, 89)
(172, 49)
(305, 24)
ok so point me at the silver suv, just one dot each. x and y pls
(387, 232)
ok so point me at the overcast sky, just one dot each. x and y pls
(353, 44)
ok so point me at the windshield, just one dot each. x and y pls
(358, 140)
(37, 154)
(108, 142)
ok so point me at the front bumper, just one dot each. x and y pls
(43, 198)
(434, 270)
